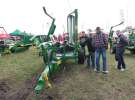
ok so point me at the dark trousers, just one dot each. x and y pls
(91, 60)
(120, 58)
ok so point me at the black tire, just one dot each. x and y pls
(12, 50)
(132, 51)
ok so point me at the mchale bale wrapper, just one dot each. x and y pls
(55, 53)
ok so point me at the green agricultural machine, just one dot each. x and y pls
(22, 44)
(131, 39)
(37, 40)
(54, 54)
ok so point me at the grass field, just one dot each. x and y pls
(19, 73)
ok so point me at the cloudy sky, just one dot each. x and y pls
(27, 15)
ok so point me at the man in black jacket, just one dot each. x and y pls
(82, 39)
(91, 51)
(120, 48)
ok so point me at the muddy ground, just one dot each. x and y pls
(76, 82)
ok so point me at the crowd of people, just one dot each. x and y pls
(61, 38)
(95, 45)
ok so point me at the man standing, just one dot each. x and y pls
(120, 48)
(91, 51)
(82, 39)
(101, 44)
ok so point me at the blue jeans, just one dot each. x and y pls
(91, 60)
(98, 52)
(120, 59)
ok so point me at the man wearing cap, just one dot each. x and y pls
(120, 48)
(100, 41)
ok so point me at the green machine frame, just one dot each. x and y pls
(51, 58)
(72, 26)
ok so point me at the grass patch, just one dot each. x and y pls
(19, 67)
(80, 83)
(73, 83)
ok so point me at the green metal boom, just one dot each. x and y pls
(52, 27)
(52, 59)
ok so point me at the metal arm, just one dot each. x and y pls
(47, 13)
(111, 32)
(118, 24)
(52, 27)
(4, 30)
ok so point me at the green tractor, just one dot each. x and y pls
(54, 54)
(131, 39)
(23, 44)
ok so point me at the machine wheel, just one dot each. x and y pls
(12, 50)
(132, 51)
